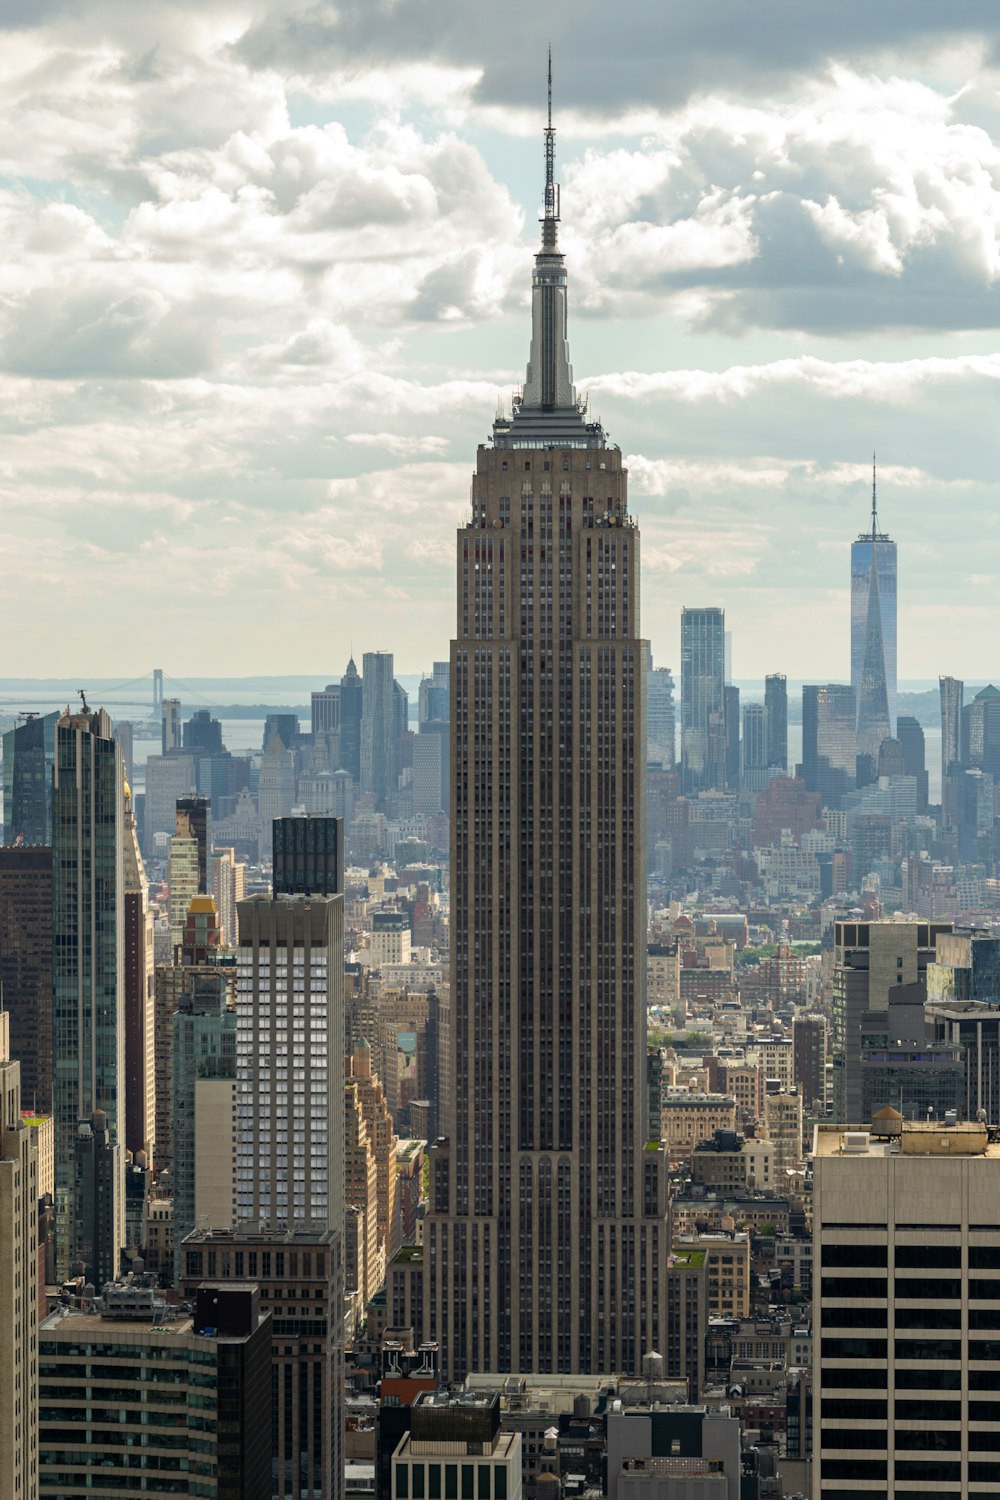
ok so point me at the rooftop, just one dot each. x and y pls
(963, 1138)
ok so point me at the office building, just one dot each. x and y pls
(276, 795)
(703, 711)
(809, 1034)
(952, 692)
(290, 1061)
(776, 709)
(28, 757)
(325, 717)
(434, 695)
(874, 720)
(170, 725)
(981, 731)
(731, 715)
(227, 878)
(429, 757)
(299, 1273)
(904, 1068)
(140, 1079)
(351, 711)
(829, 740)
(88, 980)
(754, 761)
(124, 733)
(168, 778)
(379, 728)
(873, 621)
(19, 1194)
(195, 1387)
(661, 731)
(26, 966)
(870, 959)
(910, 735)
(546, 1187)
(308, 856)
(906, 1243)
(182, 877)
(202, 734)
(457, 1440)
(203, 1099)
(390, 938)
(193, 821)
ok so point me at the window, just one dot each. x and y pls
(402, 1482)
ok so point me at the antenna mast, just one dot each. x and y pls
(551, 214)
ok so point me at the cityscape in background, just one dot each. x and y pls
(568, 1072)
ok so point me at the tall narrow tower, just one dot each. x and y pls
(873, 564)
(546, 1244)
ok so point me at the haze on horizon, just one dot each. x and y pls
(267, 273)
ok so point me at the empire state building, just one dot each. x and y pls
(546, 1244)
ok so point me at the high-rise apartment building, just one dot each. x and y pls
(776, 708)
(182, 878)
(379, 728)
(906, 1304)
(140, 1057)
(754, 762)
(952, 692)
(703, 709)
(203, 1082)
(88, 979)
(28, 756)
(290, 1060)
(809, 1034)
(26, 966)
(873, 617)
(546, 1243)
(326, 710)
(19, 1193)
(193, 817)
(227, 879)
(276, 795)
(910, 735)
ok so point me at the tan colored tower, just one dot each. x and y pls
(18, 1286)
(546, 1244)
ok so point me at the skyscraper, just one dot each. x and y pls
(26, 966)
(873, 565)
(754, 750)
(88, 981)
(829, 742)
(28, 754)
(546, 1242)
(661, 729)
(703, 727)
(140, 1088)
(874, 723)
(731, 701)
(952, 697)
(351, 694)
(776, 705)
(379, 728)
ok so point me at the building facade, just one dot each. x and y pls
(703, 710)
(19, 1193)
(873, 575)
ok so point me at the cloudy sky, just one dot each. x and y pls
(265, 271)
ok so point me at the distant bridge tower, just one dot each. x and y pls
(157, 690)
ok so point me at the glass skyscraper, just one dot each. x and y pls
(703, 710)
(28, 754)
(88, 974)
(884, 549)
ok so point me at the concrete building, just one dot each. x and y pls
(182, 877)
(545, 1186)
(455, 1445)
(26, 965)
(382, 1134)
(364, 1258)
(19, 1194)
(276, 794)
(809, 1034)
(729, 1164)
(168, 777)
(391, 940)
(197, 1388)
(300, 1275)
(689, 1119)
(783, 1128)
(870, 958)
(326, 709)
(906, 1234)
(290, 1061)
(88, 947)
(669, 1452)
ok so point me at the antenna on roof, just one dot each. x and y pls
(874, 505)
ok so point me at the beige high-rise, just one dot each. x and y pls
(546, 1246)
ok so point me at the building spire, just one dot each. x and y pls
(550, 216)
(874, 504)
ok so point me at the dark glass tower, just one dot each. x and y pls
(873, 567)
(28, 756)
(546, 1245)
(88, 988)
(776, 707)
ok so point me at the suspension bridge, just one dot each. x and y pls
(141, 698)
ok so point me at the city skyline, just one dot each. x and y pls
(269, 328)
